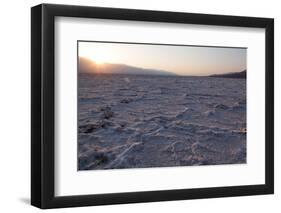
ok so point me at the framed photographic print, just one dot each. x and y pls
(139, 106)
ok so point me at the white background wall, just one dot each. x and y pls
(15, 105)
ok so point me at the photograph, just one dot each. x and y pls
(139, 105)
(160, 105)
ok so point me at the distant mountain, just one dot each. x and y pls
(231, 75)
(88, 66)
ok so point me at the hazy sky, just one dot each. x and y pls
(182, 60)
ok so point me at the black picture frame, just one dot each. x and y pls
(43, 102)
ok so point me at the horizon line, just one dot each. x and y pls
(153, 69)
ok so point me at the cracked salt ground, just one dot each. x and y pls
(128, 121)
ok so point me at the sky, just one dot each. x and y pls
(181, 60)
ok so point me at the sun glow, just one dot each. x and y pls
(97, 55)
(98, 61)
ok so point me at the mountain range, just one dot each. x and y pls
(89, 66)
(242, 74)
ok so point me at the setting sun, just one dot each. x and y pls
(99, 56)
(98, 61)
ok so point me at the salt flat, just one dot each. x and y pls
(135, 121)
